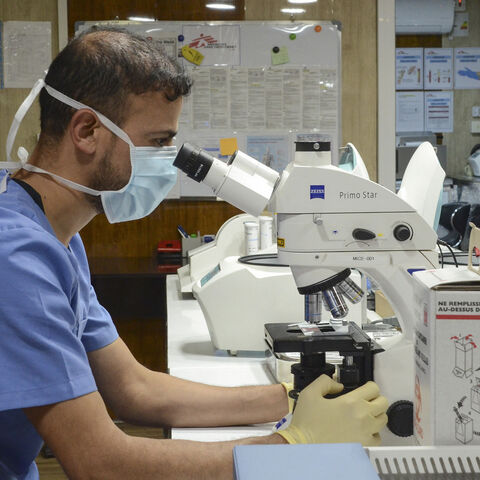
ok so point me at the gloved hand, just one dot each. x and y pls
(356, 417)
(288, 388)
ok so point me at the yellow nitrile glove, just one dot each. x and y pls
(288, 388)
(355, 417)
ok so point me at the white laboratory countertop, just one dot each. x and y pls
(192, 356)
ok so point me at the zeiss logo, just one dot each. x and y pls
(317, 191)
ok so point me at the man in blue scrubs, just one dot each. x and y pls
(109, 111)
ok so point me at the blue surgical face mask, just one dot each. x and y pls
(152, 171)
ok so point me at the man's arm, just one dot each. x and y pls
(89, 446)
(141, 396)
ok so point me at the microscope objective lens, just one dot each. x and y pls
(335, 302)
(350, 289)
(313, 308)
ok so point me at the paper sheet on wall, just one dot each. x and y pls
(209, 100)
(438, 67)
(439, 112)
(467, 68)
(410, 114)
(271, 150)
(328, 101)
(312, 97)
(167, 38)
(220, 44)
(238, 98)
(256, 98)
(409, 68)
(27, 52)
(274, 97)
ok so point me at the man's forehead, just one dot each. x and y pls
(153, 104)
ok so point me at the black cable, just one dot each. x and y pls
(445, 244)
(441, 253)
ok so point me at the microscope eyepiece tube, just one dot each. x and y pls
(243, 181)
(193, 161)
(351, 290)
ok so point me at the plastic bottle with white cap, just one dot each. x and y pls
(266, 231)
(251, 237)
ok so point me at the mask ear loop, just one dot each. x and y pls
(79, 106)
(17, 120)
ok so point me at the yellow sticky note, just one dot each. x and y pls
(192, 55)
(280, 57)
(228, 146)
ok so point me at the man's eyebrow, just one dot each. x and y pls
(166, 133)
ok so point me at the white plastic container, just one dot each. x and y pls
(266, 231)
(251, 237)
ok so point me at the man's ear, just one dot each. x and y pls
(84, 129)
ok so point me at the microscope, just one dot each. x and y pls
(330, 219)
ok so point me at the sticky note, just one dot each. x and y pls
(228, 146)
(280, 57)
(192, 55)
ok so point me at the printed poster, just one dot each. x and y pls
(409, 68)
(467, 68)
(27, 52)
(438, 67)
(410, 112)
(439, 112)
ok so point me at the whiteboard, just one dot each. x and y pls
(240, 92)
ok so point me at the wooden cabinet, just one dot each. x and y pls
(134, 293)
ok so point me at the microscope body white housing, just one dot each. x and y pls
(229, 240)
(329, 219)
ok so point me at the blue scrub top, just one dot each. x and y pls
(49, 319)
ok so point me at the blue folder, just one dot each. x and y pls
(338, 461)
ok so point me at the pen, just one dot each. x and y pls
(182, 232)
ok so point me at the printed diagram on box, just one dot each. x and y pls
(464, 368)
(463, 356)
(463, 427)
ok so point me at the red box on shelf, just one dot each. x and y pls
(169, 255)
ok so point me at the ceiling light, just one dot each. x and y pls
(220, 5)
(141, 19)
(302, 1)
(293, 10)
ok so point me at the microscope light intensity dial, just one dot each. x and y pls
(402, 232)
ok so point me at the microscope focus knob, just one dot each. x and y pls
(402, 232)
(400, 418)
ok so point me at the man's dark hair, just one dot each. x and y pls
(100, 68)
